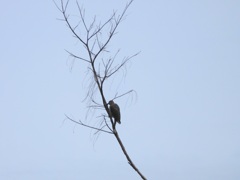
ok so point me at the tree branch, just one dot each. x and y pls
(126, 154)
(75, 56)
(99, 77)
(91, 127)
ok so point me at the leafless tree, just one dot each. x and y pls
(101, 69)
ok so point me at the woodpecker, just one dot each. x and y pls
(115, 111)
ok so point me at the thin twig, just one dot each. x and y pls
(75, 56)
(81, 123)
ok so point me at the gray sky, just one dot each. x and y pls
(184, 123)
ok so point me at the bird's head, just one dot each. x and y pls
(111, 102)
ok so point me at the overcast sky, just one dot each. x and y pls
(184, 123)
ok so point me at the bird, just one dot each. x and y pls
(115, 111)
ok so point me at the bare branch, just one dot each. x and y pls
(100, 70)
(113, 29)
(64, 11)
(123, 94)
(92, 24)
(122, 64)
(91, 127)
(82, 16)
(126, 154)
(100, 27)
(57, 6)
(105, 120)
(75, 56)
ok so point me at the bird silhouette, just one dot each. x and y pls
(115, 111)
